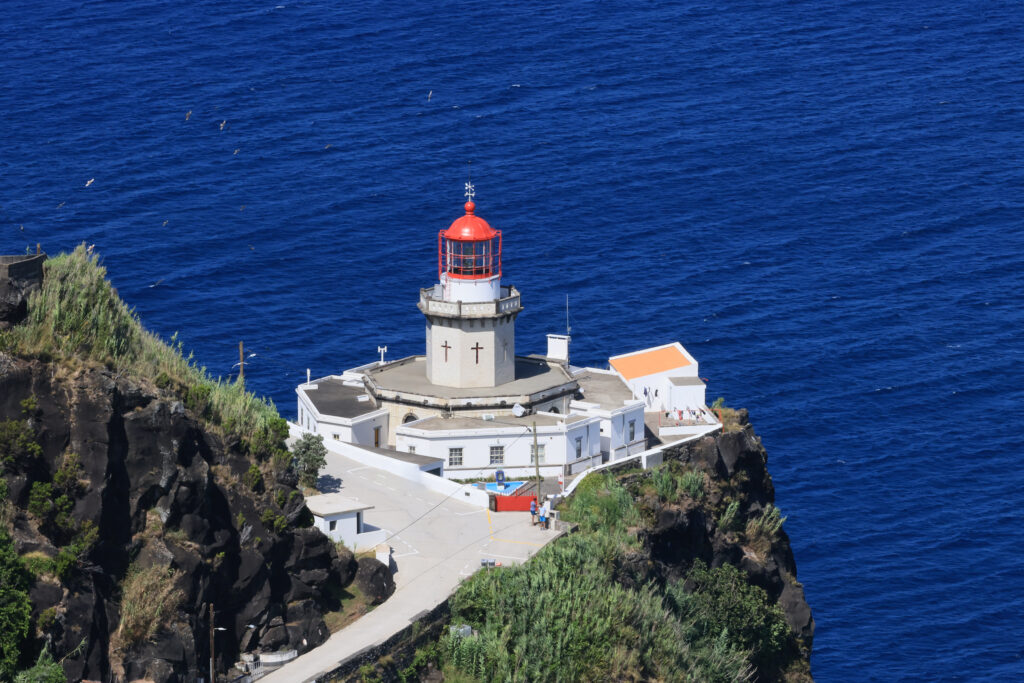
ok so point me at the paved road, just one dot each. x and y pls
(437, 543)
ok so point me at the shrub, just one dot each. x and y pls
(239, 521)
(254, 478)
(693, 483)
(763, 531)
(280, 524)
(601, 502)
(310, 457)
(281, 498)
(729, 521)
(17, 442)
(15, 606)
(47, 618)
(723, 602)
(664, 483)
(148, 599)
(45, 670)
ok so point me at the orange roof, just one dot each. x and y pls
(649, 362)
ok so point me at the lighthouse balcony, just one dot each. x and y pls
(432, 302)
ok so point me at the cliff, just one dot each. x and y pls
(680, 572)
(137, 493)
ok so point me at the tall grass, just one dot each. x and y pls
(564, 617)
(77, 317)
(149, 600)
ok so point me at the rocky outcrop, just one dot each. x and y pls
(164, 492)
(19, 277)
(736, 463)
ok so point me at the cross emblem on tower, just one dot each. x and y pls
(478, 349)
(446, 346)
(470, 191)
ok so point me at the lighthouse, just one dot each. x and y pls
(470, 330)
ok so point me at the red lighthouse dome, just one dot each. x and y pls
(469, 249)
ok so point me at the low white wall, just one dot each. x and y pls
(368, 540)
(404, 470)
(647, 459)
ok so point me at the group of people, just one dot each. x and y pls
(544, 513)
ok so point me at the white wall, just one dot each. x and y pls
(559, 442)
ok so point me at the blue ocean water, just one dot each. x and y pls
(821, 200)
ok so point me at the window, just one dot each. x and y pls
(337, 437)
(334, 524)
(579, 447)
(632, 431)
(538, 455)
(411, 417)
(412, 449)
(454, 457)
(497, 455)
(376, 437)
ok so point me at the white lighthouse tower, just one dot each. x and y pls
(470, 315)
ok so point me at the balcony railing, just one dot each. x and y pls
(432, 303)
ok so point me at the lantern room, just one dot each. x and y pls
(469, 259)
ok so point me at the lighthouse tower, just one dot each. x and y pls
(470, 315)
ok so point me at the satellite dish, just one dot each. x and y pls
(518, 410)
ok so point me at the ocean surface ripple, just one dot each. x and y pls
(822, 201)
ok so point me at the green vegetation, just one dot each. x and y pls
(723, 604)
(17, 443)
(45, 671)
(729, 519)
(763, 531)
(668, 481)
(254, 478)
(77, 317)
(564, 617)
(15, 606)
(729, 416)
(148, 598)
(310, 457)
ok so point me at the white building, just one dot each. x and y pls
(470, 402)
(341, 519)
(475, 447)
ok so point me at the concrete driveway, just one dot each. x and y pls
(437, 543)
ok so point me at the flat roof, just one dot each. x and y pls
(686, 381)
(437, 424)
(333, 397)
(334, 504)
(604, 388)
(413, 458)
(650, 361)
(409, 375)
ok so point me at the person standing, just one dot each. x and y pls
(533, 512)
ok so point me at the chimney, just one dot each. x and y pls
(558, 347)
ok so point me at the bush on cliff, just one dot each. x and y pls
(720, 602)
(77, 316)
(149, 599)
(310, 457)
(15, 606)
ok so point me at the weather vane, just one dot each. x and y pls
(470, 192)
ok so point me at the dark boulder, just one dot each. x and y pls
(19, 277)
(374, 580)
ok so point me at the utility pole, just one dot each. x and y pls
(241, 368)
(212, 679)
(536, 463)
